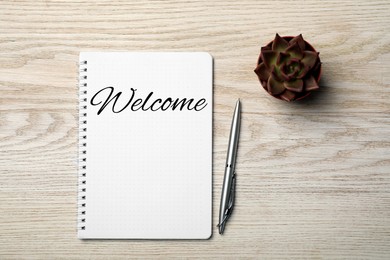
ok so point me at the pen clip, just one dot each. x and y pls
(232, 195)
(230, 207)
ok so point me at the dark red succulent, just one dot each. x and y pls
(289, 68)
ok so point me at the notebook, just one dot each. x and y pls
(145, 157)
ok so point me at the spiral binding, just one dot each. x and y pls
(82, 172)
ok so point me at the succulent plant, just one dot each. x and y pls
(289, 68)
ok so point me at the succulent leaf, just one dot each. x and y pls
(288, 95)
(294, 85)
(282, 58)
(269, 58)
(274, 86)
(266, 48)
(279, 44)
(278, 74)
(283, 76)
(311, 84)
(295, 51)
(302, 73)
(262, 72)
(309, 58)
(298, 39)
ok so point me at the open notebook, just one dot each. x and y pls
(145, 157)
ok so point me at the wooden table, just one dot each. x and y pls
(313, 176)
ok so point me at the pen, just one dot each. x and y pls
(229, 180)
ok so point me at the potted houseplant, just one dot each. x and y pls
(289, 68)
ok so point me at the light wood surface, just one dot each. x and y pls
(313, 176)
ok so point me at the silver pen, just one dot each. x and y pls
(229, 180)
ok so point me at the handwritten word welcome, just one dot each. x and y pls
(106, 96)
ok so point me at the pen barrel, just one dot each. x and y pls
(226, 188)
(230, 165)
(233, 138)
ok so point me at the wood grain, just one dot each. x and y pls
(313, 176)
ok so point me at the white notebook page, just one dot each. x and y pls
(148, 167)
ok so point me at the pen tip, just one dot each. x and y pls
(221, 228)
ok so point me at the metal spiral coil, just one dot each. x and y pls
(82, 166)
